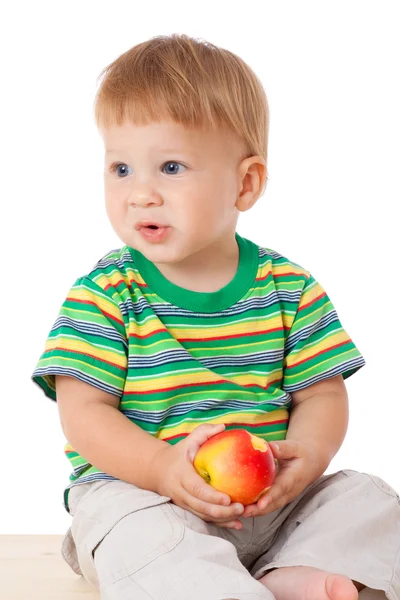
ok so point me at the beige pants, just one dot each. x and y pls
(133, 544)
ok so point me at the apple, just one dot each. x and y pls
(237, 463)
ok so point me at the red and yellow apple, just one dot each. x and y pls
(237, 463)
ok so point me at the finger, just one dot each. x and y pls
(201, 434)
(196, 486)
(285, 449)
(229, 524)
(274, 504)
(251, 510)
(217, 512)
(267, 506)
(283, 489)
(214, 511)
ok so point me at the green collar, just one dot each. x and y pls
(207, 302)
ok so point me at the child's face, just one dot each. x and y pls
(186, 180)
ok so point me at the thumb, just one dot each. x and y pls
(286, 449)
(199, 435)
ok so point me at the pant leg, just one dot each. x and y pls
(369, 594)
(132, 543)
(347, 524)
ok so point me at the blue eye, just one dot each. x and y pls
(173, 164)
(124, 167)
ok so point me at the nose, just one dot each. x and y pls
(144, 195)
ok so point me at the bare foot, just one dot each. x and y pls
(308, 583)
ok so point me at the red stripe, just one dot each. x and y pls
(290, 273)
(97, 306)
(312, 302)
(175, 387)
(253, 426)
(228, 337)
(209, 339)
(189, 385)
(107, 362)
(265, 276)
(317, 354)
(140, 285)
(147, 335)
(123, 282)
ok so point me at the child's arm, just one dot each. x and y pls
(317, 427)
(107, 439)
(320, 416)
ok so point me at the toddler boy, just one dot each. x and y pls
(189, 329)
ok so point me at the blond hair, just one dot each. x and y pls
(188, 81)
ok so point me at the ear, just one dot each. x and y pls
(252, 174)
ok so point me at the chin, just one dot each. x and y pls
(160, 253)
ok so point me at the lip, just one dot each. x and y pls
(153, 236)
(140, 224)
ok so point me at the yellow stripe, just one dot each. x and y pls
(88, 295)
(179, 379)
(313, 317)
(149, 326)
(289, 268)
(311, 294)
(247, 327)
(66, 344)
(75, 460)
(135, 276)
(248, 321)
(197, 352)
(287, 319)
(244, 327)
(81, 314)
(180, 397)
(239, 417)
(114, 277)
(158, 383)
(82, 366)
(325, 344)
(320, 366)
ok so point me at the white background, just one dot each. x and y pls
(331, 73)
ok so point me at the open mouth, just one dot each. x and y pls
(152, 232)
(148, 225)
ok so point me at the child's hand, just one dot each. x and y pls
(177, 478)
(299, 467)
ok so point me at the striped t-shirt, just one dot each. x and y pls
(178, 358)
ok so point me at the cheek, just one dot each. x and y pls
(114, 209)
(200, 211)
(210, 197)
(109, 207)
(115, 215)
(223, 190)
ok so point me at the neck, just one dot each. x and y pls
(205, 271)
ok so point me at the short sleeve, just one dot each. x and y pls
(87, 341)
(317, 347)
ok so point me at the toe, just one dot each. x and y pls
(339, 587)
